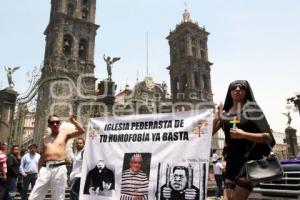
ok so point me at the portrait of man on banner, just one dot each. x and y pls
(100, 180)
(139, 167)
(135, 176)
(179, 184)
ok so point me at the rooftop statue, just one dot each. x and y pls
(10, 71)
(288, 115)
(109, 63)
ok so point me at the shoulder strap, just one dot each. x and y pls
(249, 151)
(252, 147)
(82, 154)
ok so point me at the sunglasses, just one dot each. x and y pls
(137, 162)
(54, 122)
(235, 86)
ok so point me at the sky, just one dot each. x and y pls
(255, 40)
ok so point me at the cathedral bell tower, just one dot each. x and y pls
(67, 77)
(189, 68)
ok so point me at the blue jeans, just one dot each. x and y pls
(75, 189)
(11, 188)
(219, 182)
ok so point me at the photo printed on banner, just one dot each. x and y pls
(180, 181)
(135, 176)
(100, 180)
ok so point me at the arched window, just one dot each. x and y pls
(203, 55)
(196, 79)
(184, 83)
(85, 13)
(70, 9)
(173, 53)
(204, 82)
(85, 2)
(177, 87)
(83, 46)
(67, 45)
(194, 51)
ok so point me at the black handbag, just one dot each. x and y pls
(263, 170)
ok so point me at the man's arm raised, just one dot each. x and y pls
(80, 130)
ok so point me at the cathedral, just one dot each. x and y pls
(67, 78)
(189, 75)
(189, 68)
(68, 81)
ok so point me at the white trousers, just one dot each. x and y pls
(50, 178)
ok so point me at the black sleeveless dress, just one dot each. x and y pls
(237, 148)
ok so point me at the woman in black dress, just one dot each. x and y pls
(244, 124)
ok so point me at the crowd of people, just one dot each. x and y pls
(18, 170)
(41, 171)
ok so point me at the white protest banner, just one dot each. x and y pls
(153, 156)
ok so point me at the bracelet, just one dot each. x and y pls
(265, 136)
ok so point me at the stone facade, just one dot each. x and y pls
(28, 129)
(67, 79)
(281, 151)
(69, 54)
(189, 76)
(291, 140)
(146, 97)
(7, 106)
(189, 69)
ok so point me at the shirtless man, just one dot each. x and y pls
(53, 173)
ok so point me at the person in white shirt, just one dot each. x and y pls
(218, 172)
(76, 170)
(29, 169)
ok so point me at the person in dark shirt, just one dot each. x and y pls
(13, 164)
(178, 188)
(97, 178)
(244, 124)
